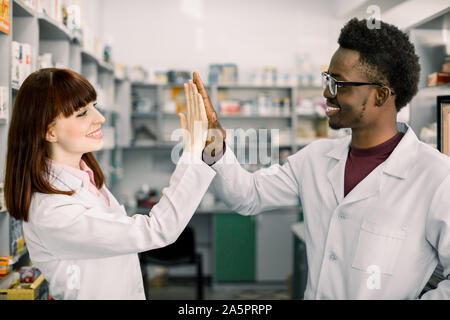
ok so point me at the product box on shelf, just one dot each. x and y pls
(2, 198)
(17, 242)
(4, 103)
(51, 8)
(438, 78)
(26, 62)
(20, 62)
(38, 290)
(45, 61)
(16, 57)
(5, 23)
(31, 4)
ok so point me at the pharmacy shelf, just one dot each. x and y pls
(15, 87)
(52, 30)
(21, 10)
(253, 117)
(310, 116)
(256, 87)
(120, 79)
(437, 21)
(145, 84)
(137, 115)
(105, 66)
(153, 144)
(88, 56)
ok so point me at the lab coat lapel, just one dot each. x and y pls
(336, 174)
(397, 165)
(63, 180)
(368, 187)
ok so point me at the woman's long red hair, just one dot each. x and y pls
(44, 95)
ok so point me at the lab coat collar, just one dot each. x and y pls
(404, 155)
(58, 177)
(65, 181)
(398, 164)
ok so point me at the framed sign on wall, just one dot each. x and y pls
(443, 124)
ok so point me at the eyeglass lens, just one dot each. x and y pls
(329, 82)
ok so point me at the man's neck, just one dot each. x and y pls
(364, 138)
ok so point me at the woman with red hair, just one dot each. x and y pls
(76, 232)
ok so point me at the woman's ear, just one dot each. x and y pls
(50, 136)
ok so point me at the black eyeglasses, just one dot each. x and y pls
(332, 84)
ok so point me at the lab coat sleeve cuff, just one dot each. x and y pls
(228, 157)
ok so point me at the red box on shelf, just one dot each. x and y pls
(438, 78)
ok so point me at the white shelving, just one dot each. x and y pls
(432, 47)
(21, 10)
(46, 35)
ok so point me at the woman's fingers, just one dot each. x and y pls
(183, 122)
(193, 107)
(187, 92)
(196, 106)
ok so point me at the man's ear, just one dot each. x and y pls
(50, 136)
(382, 94)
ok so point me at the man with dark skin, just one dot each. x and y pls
(375, 204)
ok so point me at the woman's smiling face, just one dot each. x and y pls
(76, 135)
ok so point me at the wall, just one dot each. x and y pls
(191, 34)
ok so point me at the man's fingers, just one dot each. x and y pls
(210, 113)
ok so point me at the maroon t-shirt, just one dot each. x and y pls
(361, 162)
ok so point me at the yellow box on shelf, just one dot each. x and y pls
(27, 292)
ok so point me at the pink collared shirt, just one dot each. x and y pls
(87, 177)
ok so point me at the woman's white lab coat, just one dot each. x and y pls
(382, 241)
(87, 250)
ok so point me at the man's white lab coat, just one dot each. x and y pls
(87, 250)
(382, 241)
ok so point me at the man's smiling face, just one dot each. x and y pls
(355, 103)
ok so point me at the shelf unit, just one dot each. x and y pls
(48, 36)
(430, 40)
(150, 162)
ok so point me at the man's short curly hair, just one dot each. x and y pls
(387, 55)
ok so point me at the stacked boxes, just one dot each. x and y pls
(21, 62)
(17, 242)
(5, 23)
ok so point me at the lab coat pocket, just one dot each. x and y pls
(378, 246)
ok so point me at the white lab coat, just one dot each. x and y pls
(395, 221)
(87, 250)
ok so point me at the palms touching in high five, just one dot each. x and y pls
(216, 134)
(196, 124)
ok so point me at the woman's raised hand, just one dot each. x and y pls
(195, 125)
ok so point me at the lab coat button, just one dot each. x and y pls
(333, 257)
(342, 216)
